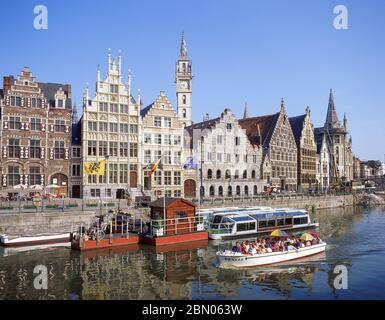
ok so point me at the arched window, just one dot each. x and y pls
(236, 175)
(238, 190)
(253, 174)
(184, 67)
(212, 191)
(209, 174)
(202, 192)
(246, 191)
(229, 191)
(219, 174)
(220, 191)
(244, 174)
(184, 99)
(255, 190)
(227, 175)
(184, 113)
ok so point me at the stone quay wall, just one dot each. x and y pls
(287, 201)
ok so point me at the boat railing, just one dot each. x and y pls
(160, 227)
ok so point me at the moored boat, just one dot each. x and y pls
(228, 258)
(28, 240)
(234, 224)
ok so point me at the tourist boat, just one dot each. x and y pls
(230, 225)
(229, 259)
(20, 241)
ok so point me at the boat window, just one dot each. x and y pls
(288, 221)
(303, 220)
(245, 226)
(262, 224)
(280, 222)
(217, 219)
(271, 223)
(242, 218)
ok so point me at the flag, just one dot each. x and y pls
(189, 164)
(95, 168)
(156, 165)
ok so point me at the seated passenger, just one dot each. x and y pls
(314, 242)
(237, 247)
(308, 243)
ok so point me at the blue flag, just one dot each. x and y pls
(190, 165)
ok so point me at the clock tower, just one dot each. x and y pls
(183, 80)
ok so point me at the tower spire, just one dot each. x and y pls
(332, 117)
(183, 47)
(245, 112)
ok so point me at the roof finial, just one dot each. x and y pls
(98, 72)
(183, 47)
(282, 104)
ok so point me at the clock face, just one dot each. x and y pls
(183, 85)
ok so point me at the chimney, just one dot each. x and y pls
(7, 83)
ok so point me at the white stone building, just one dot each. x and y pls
(162, 138)
(110, 131)
(323, 161)
(231, 165)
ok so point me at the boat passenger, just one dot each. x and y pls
(308, 243)
(314, 242)
(237, 247)
(253, 249)
(247, 246)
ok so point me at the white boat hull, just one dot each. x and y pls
(238, 260)
(33, 240)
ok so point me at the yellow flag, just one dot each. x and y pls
(95, 168)
(154, 168)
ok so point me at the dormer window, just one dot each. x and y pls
(26, 83)
(60, 103)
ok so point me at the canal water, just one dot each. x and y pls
(352, 268)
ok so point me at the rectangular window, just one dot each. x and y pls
(158, 122)
(113, 127)
(147, 138)
(34, 176)
(103, 147)
(167, 157)
(95, 193)
(262, 224)
(13, 176)
(113, 149)
(103, 126)
(113, 176)
(59, 151)
(245, 226)
(219, 139)
(123, 151)
(167, 139)
(123, 108)
(237, 141)
(114, 88)
(158, 139)
(14, 148)
(133, 128)
(60, 103)
(167, 178)
(158, 177)
(123, 128)
(167, 122)
(76, 170)
(91, 148)
(60, 126)
(147, 156)
(34, 149)
(177, 140)
(177, 193)
(35, 124)
(75, 152)
(177, 157)
(114, 107)
(92, 126)
(133, 150)
(177, 178)
(103, 106)
(14, 123)
(123, 173)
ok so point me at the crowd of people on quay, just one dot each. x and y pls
(267, 245)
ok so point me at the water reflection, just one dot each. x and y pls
(189, 271)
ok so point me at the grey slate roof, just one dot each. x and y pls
(296, 124)
(49, 90)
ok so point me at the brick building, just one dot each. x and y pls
(36, 133)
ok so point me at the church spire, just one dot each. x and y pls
(245, 113)
(331, 117)
(183, 47)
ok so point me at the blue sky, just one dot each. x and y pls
(254, 51)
